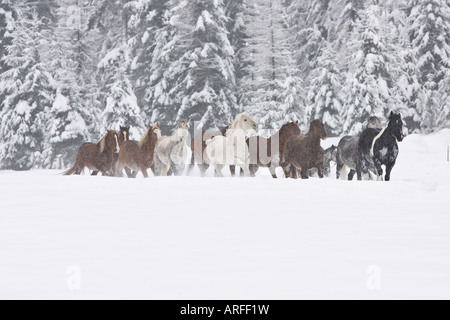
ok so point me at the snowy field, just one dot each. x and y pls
(193, 238)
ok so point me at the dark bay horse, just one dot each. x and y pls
(138, 156)
(304, 152)
(380, 147)
(269, 158)
(348, 154)
(97, 157)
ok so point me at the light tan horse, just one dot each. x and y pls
(231, 149)
(172, 151)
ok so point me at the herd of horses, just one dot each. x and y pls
(288, 148)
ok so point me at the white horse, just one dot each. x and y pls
(172, 151)
(231, 149)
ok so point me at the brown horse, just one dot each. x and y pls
(199, 150)
(98, 157)
(304, 152)
(272, 159)
(124, 135)
(138, 156)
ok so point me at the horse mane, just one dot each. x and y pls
(144, 138)
(376, 139)
(102, 143)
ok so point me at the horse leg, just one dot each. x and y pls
(218, 171)
(246, 170)
(351, 174)
(341, 171)
(389, 168)
(377, 163)
(304, 174)
(361, 168)
(128, 172)
(191, 165)
(321, 170)
(164, 170)
(203, 168)
(79, 169)
(273, 171)
(144, 172)
(254, 169)
(294, 173)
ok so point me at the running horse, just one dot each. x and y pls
(231, 149)
(137, 156)
(198, 146)
(97, 157)
(304, 152)
(379, 147)
(261, 152)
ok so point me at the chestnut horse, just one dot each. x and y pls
(304, 152)
(124, 135)
(98, 157)
(138, 156)
(199, 149)
(273, 159)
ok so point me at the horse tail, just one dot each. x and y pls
(71, 171)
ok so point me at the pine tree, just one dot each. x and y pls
(238, 35)
(370, 89)
(155, 50)
(27, 89)
(206, 89)
(429, 30)
(274, 77)
(7, 20)
(72, 118)
(121, 107)
(324, 92)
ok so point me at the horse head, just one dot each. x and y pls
(155, 128)
(289, 129)
(396, 126)
(124, 134)
(244, 122)
(182, 131)
(374, 123)
(110, 142)
(317, 128)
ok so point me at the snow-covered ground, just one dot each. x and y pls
(206, 238)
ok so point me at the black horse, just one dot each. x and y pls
(380, 147)
(347, 153)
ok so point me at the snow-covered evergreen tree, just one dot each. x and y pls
(206, 90)
(274, 79)
(8, 16)
(429, 33)
(72, 118)
(155, 48)
(370, 88)
(121, 107)
(324, 92)
(27, 89)
(238, 35)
